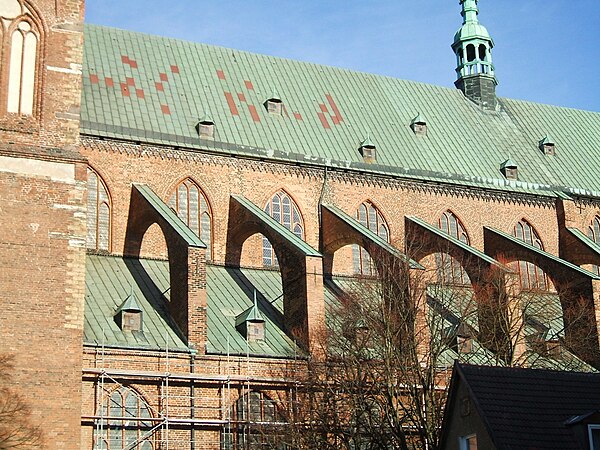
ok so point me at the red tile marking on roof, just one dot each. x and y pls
(324, 121)
(163, 77)
(165, 109)
(220, 74)
(94, 78)
(140, 93)
(334, 108)
(125, 90)
(130, 81)
(133, 63)
(323, 107)
(335, 120)
(109, 82)
(242, 97)
(231, 103)
(125, 59)
(254, 113)
(249, 85)
(159, 86)
(174, 68)
(297, 115)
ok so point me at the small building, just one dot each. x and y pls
(515, 408)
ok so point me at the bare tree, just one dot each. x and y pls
(391, 342)
(16, 429)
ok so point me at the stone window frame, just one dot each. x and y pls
(449, 269)
(95, 228)
(532, 277)
(362, 263)
(594, 234)
(295, 223)
(33, 18)
(202, 224)
(256, 416)
(120, 434)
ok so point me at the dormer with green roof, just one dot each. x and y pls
(473, 49)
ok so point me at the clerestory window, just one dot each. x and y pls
(532, 277)
(370, 217)
(284, 210)
(98, 213)
(450, 270)
(191, 205)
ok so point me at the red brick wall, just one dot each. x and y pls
(42, 249)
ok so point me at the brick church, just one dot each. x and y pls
(178, 217)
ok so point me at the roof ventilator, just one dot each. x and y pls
(251, 323)
(547, 146)
(419, 125)
(368, 150)
(206, 127)
(129, 314)
(509, 170)
(274, 104)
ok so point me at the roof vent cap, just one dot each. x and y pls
(206, 127)
(274, 104)
(129, 314)
(547, 145)
(368, 150)
(509, 169)
(251, 323)
(419, 125)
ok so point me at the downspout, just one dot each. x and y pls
(193, 354)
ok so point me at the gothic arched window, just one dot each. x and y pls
(449, 269)
(98, 213)
(122, 425)
(594, 235)
(532, 277)
(256, 417)
(369, 216)
(191, 205)
(284, 210)
(21, 44)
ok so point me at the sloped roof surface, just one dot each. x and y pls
(528, 408)
(153, 89)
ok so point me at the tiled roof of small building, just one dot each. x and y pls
(153, 89)
(528, 408)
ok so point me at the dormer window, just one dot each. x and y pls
(129, 314)
(368, 151)
(206, 127)
(251, 323)
(509, 170)
(419, 125)
(274, 104)
(547, 145)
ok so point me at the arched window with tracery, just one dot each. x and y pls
(125, 422)
(532, 277)
(21, 48)
(257, 421)
(370, 217)
(191, 205)
(98, 213)
(284, 210)
(449, 268)
(594, 235)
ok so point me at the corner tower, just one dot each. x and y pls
(473, 49)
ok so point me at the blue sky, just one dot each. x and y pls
(546, 51)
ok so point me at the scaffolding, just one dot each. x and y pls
(173, 421)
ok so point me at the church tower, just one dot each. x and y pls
(473, 49)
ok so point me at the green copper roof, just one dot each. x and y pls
(153, 89)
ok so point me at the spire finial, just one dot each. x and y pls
(469, 11)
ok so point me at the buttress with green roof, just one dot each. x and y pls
(153, 89)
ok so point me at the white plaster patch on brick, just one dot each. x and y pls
(24, 166)
(34, 227)
(68, 207)
(77, 243)
(75, 69)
